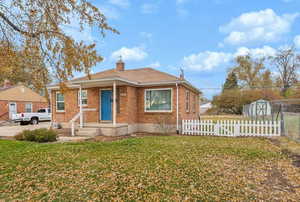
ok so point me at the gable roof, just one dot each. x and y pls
(20, 93)
(142, 75)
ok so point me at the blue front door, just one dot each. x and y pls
(106, 111)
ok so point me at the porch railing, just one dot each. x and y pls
(76, 117)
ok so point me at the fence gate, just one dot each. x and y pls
(231, 128)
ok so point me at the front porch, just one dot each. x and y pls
(108, 99)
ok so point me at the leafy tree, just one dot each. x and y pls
(231, 81)
(266, 79)
(248, 70)
(38, 27)
(16, 67)
(287, 63)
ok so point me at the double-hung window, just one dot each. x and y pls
(28, 107)
(84, 98)
(60, 102)
(158, 100)
(187, 101)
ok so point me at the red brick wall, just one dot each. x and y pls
(191, 114)
(72, 106)
(131, 109)
(4, 109)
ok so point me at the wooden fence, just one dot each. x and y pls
(231, 128)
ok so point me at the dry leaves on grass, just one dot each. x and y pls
(149, 168)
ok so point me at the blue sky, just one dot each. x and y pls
(201, 36)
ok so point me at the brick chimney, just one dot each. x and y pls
(6, 83)
(120, 65)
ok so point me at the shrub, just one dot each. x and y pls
(38, 135)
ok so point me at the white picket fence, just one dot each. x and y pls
(231, 128)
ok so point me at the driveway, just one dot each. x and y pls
(8, 132)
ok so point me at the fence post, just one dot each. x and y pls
(216, 128)
(282, 132)
(236, 128)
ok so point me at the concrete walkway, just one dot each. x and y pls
(8, 132)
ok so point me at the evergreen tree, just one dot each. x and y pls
(231, 81)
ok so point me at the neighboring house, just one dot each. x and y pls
(18, 99)
(204, 107)
(135, 99)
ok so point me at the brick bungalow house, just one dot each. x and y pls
(19, 99)
(119, 101)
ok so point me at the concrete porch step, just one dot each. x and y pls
(87, 132)
(104, 125)
(73, 139)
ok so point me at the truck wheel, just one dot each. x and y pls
(34, 121)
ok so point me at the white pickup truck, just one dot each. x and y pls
(34, 118)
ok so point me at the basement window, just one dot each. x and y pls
(158, 100)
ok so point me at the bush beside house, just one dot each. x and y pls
(38, 135)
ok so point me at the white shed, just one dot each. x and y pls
(258, 108)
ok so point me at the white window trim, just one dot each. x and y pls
(59, 101)
(157, 111)
(187, 101)
(78, 100)
(30, 107)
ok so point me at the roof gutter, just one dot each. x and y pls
(74, 84)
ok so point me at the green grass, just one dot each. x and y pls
(150, 168)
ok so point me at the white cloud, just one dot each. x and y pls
(265, 51)
(206, 60)
(264, 25)
(130, 54)
(148, 8)
(120, 3)
(297, 41)
(155, 64)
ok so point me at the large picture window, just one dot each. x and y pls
(60, 102)
(84, 97)
(158, 100)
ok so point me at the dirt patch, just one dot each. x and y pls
(277, 181)
(293, 156)
(287, 151)
(64, 132)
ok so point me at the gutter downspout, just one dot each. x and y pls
(50, 107)
(80, 106)
(177, 109)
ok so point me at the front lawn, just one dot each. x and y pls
(149, 168)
